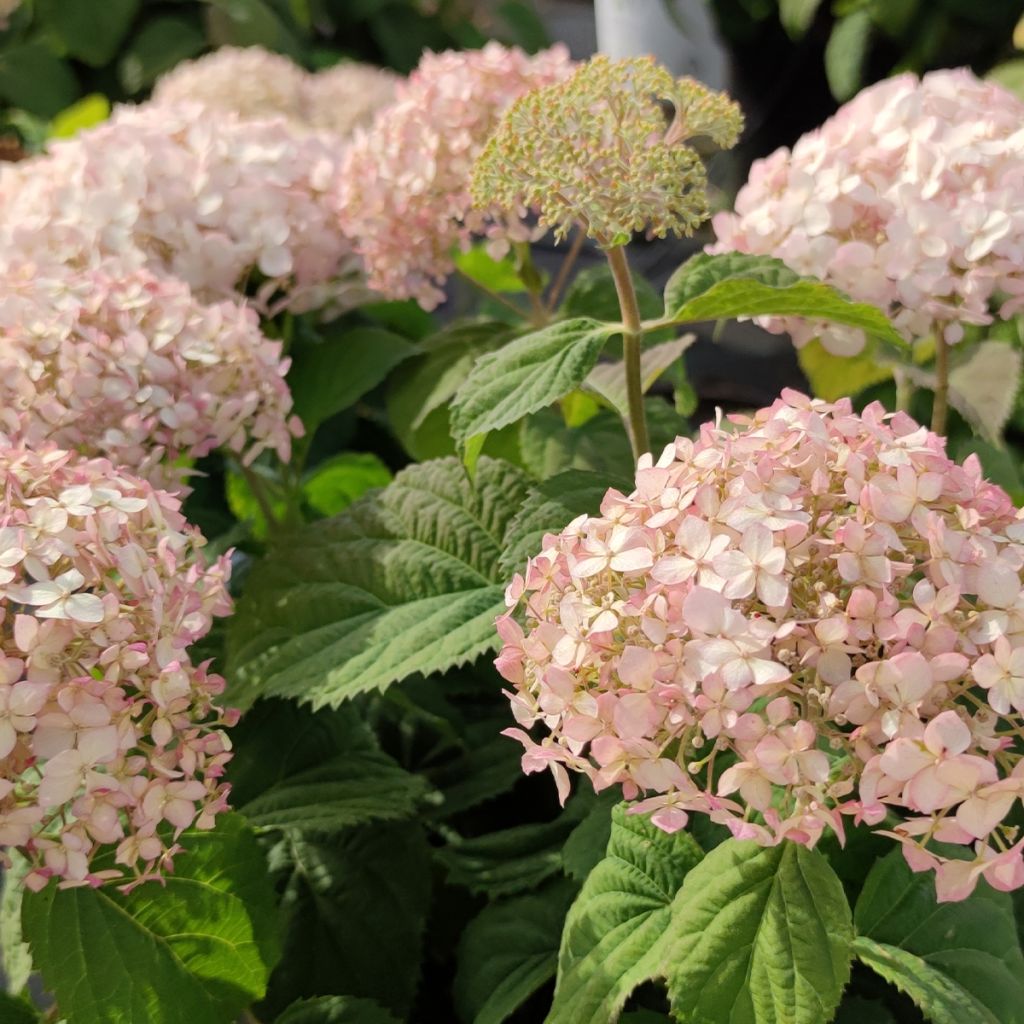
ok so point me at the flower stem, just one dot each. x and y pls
(940, 407)
(568, 262)
(631, 335)
(904, 389)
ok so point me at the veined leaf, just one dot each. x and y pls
(958, 961)
(349, 789)
(527, 374)
(759, 936)
(983, 387)
(508, 951)
(592, 294)
(356, 905)
(612, 941)
(708, 287)
(407, 580)
(832, 377)
(195, 950)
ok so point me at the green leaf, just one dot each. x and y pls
(592, 294)
(158, 46)
(487, 769)
(549, 447)
(609, 379)
(983, 387)
(833, 377)
(357, 905)
(16, 1011)
(195, 950)
(250, 23)
(420, 391)
(549, 507)
(92, 33)
(509, 861)
(405, 580)
(328, 377)
(349, 789)
(336, 1010)
(527, 374)
(508, 951)
(845, 53)
(854, 1010)
(498, 275)
(15, 956)
(585, 848)
(335, 484)
(796, 16)
(958, 955)
(35, 79)
(714, 287)
(88, 111)
(759, 936)
(999, 465)
(244, 505)
(528, 29)
(612, 941)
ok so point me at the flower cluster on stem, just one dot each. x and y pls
(806, 616)
(110, 738)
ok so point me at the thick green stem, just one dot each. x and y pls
(631, 334)
(940, 408)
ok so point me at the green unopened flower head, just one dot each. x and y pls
(610, 149)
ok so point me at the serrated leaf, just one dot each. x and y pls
(509, 861)
(405, 580)
(613, 934)
(833, 377)
(486, 770)
(759, 936)
(796, 16)
(336, 1010)
(961, 953)
(498, 275)
(508, 951)
(330, 376)
(356, 905)
(845, 53)
(195, 950)
(348, 789)
(587, 843)
(983, 388)
(609, 379)
(527, 374)
(549, 507)
(548, 446)
(714, 287)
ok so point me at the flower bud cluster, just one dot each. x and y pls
(599, 150)
(803, 616)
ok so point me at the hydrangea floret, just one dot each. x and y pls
(110, 738)
(227, 205)
(127, 365)
(803, 616)
(907, 198)
(405, 198)
(599, 150)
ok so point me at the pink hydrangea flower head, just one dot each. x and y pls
(256, 84)
(127, 365)
(225, 204)
(249, 81)
(405, 196)
(906, 198)
(109, 735)
(598, 150)
(806, 616)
